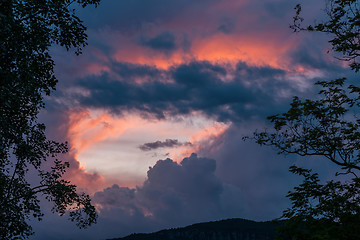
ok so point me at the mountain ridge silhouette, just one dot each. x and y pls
(229, 229)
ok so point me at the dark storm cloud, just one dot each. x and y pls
(197, 86)
(256, 73)
(174, 194)
(169, 143)
(227, 26)
(164, 41)
(131, 72)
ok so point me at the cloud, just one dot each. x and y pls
(227, 26)
(164, 41)
(57, 119)
(173, 195)
(141, 32)
(215, 90)
(168, 143)
(259, 171)
(245, 181)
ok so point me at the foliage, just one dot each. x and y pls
(28, 29)
(319, 212)
(343, 24)
(327, 126)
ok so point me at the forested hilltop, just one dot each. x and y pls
(230, 229)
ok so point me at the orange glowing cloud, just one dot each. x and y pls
(197, 38)
(259, 50)
(204, 136)
(140, 55)
(221, 48)
(257, 35)
(89, 127)
(105, 147)
(96, 69)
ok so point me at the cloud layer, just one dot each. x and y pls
(218, 91)
(173, 195)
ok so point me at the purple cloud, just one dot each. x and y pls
(168, 143)
(174, 194)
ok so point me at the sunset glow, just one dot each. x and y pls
(115, 140)
(156, 108)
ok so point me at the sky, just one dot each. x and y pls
(156, 107)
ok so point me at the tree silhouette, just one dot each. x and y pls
(343, 24)
(326, 126)
(28, 29)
